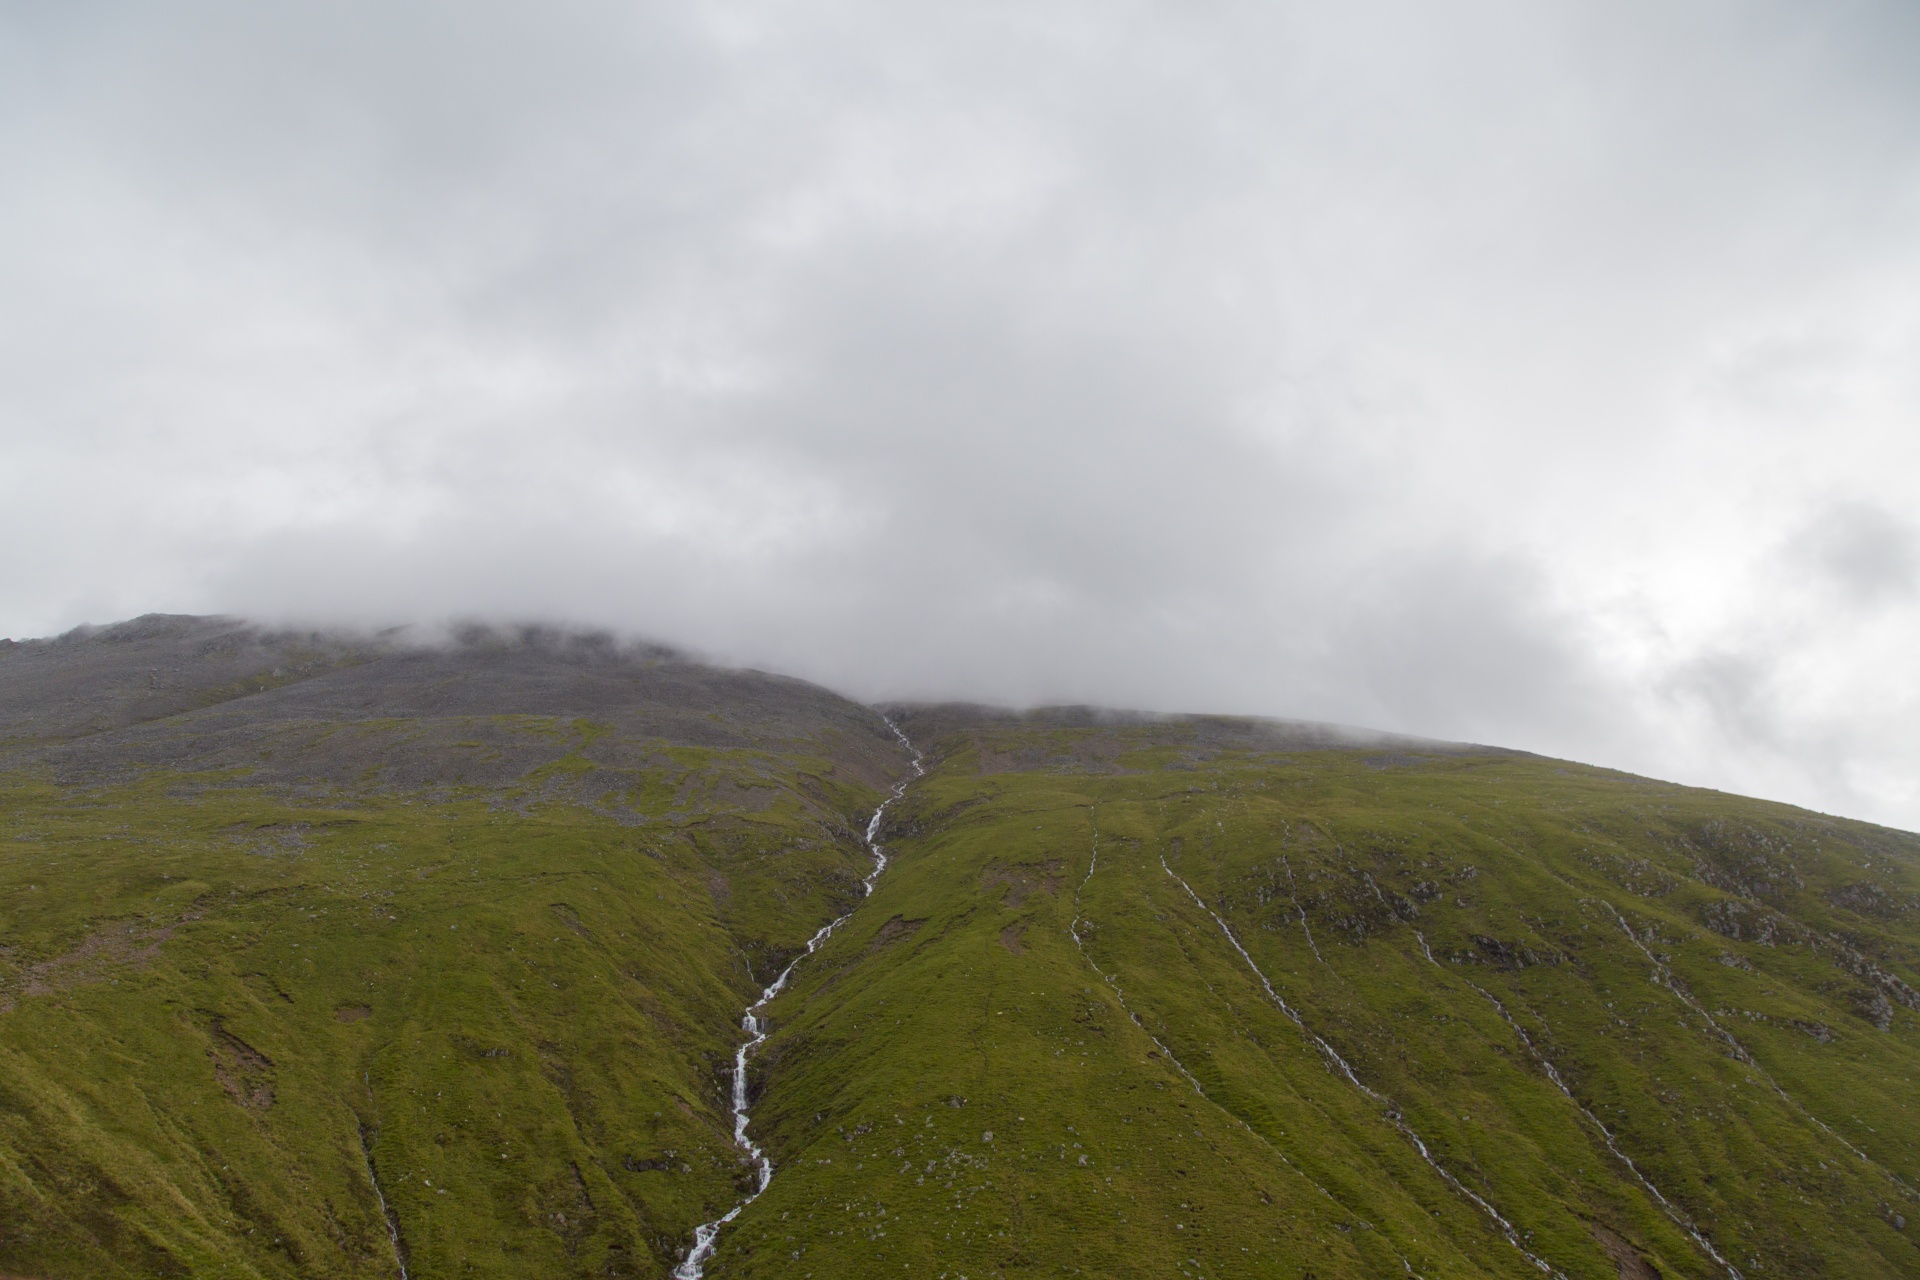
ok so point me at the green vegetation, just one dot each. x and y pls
(1750, 1047)
(357, 972)
(223, 1013)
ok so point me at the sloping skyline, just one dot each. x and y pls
(1544, 376)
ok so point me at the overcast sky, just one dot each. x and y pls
(1544, 374)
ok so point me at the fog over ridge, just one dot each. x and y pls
(1538, 375)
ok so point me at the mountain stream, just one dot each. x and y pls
(707, 1233)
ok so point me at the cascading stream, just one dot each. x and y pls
(387, 1214)
(1073, 931)
(707, 1233)
(1080, 942)
(1672, 1210)
(1388, 1106)
(1663, 976)
(1293, 896)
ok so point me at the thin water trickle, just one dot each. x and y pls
(1392, 1111)
(1673, 1211)
(373, 1176)
(705, 1235)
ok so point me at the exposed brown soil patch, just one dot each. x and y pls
(105, 954)
(1024, 879)
(571, 919)
(1629, 1261)
(1011, 935)
(894, 930)
(242, 1070)
(352, 1013)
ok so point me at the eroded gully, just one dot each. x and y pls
(1388, 1107)
(1672, 1210)
(705, 1236)
(1166, 1053)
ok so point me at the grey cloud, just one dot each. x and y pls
(1457, 371)
(1861, 550)
(1474, 649)
(1733, 689)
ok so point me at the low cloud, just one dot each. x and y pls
(1860, 551)
(1488, 374)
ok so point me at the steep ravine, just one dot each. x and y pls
(706, 1235)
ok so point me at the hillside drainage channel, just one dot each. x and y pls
(705, 1235)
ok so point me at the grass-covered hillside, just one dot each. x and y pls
(369, 957)
(328, 957)
(1207, 999)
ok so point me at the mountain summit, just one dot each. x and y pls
(330, 955)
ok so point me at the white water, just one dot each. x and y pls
(1293, 896)
(707, 1233)
(1673, 1211)
(1663, 976)
(1073, 931)
(386, 1213)
(393, 1230)
(1393, 1113)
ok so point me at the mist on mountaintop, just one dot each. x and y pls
(1535, 375)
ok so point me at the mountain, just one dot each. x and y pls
(325, 955)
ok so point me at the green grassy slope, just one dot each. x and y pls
(239, 1009)
(956, 1087)
(325, 966)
